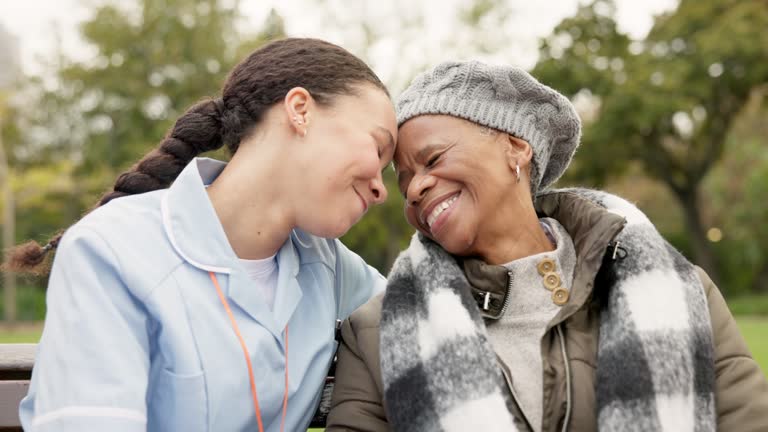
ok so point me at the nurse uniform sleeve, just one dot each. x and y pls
(357, 281)
(91, 368)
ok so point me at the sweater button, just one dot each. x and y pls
(560, 296)
(551, 281)
(546, 266)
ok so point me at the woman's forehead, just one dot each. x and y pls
(424, 130)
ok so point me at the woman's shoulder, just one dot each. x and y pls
(128, 233)
(367, 316)
(125, 216)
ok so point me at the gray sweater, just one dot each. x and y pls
(516, 337)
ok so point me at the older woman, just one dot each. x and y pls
(521, 308)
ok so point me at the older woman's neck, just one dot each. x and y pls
(519, 236)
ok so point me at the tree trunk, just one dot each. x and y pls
(9, 233)
(703, 256)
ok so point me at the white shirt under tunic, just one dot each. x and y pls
(516, 336)
(264, 275)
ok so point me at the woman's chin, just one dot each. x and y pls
(339, 231)
(331, 229)
(452, 243)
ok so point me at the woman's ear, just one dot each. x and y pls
(518, 152)
(297, 104)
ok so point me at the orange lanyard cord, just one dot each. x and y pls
(248, 360)
(285, 395)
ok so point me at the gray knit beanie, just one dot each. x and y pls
(503, 98)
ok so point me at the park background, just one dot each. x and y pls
(673, 94)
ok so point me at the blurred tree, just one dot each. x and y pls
(668, 101)
(9, 217)
(739, 187)
(405, 30)
(150, 62)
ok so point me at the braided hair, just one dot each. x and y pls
(257, 83)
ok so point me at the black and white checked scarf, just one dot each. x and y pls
(655, 366)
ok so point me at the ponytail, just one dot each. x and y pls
(197, 131)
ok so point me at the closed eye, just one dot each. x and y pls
(433, 160)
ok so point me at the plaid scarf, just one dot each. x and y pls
(655, 361)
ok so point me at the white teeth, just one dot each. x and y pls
(439, 209)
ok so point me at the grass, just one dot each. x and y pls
(755, 331)
(21, 333)
(749, 305)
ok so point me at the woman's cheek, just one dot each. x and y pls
(372, 164)
(410, 216)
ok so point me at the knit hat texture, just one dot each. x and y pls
(504, 98)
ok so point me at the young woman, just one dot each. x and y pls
(210, 305)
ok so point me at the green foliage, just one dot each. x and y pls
(97, 117)
(738, 187)
(585, 51)
(130, 93)
(666, 102)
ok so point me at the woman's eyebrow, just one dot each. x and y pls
(426, 150)
(422, 154)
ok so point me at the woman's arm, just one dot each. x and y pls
(91, 368)
(741, 394)
(357, 403)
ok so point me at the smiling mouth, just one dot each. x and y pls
(439, 209)
(362, 200)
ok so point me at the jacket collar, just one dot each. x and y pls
(591, 227)
(194, 229)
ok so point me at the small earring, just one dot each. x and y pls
(517, 171)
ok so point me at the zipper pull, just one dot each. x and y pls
(487, 301)
(618, 251)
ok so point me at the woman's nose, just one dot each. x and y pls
(378, 190)
(420, 185)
